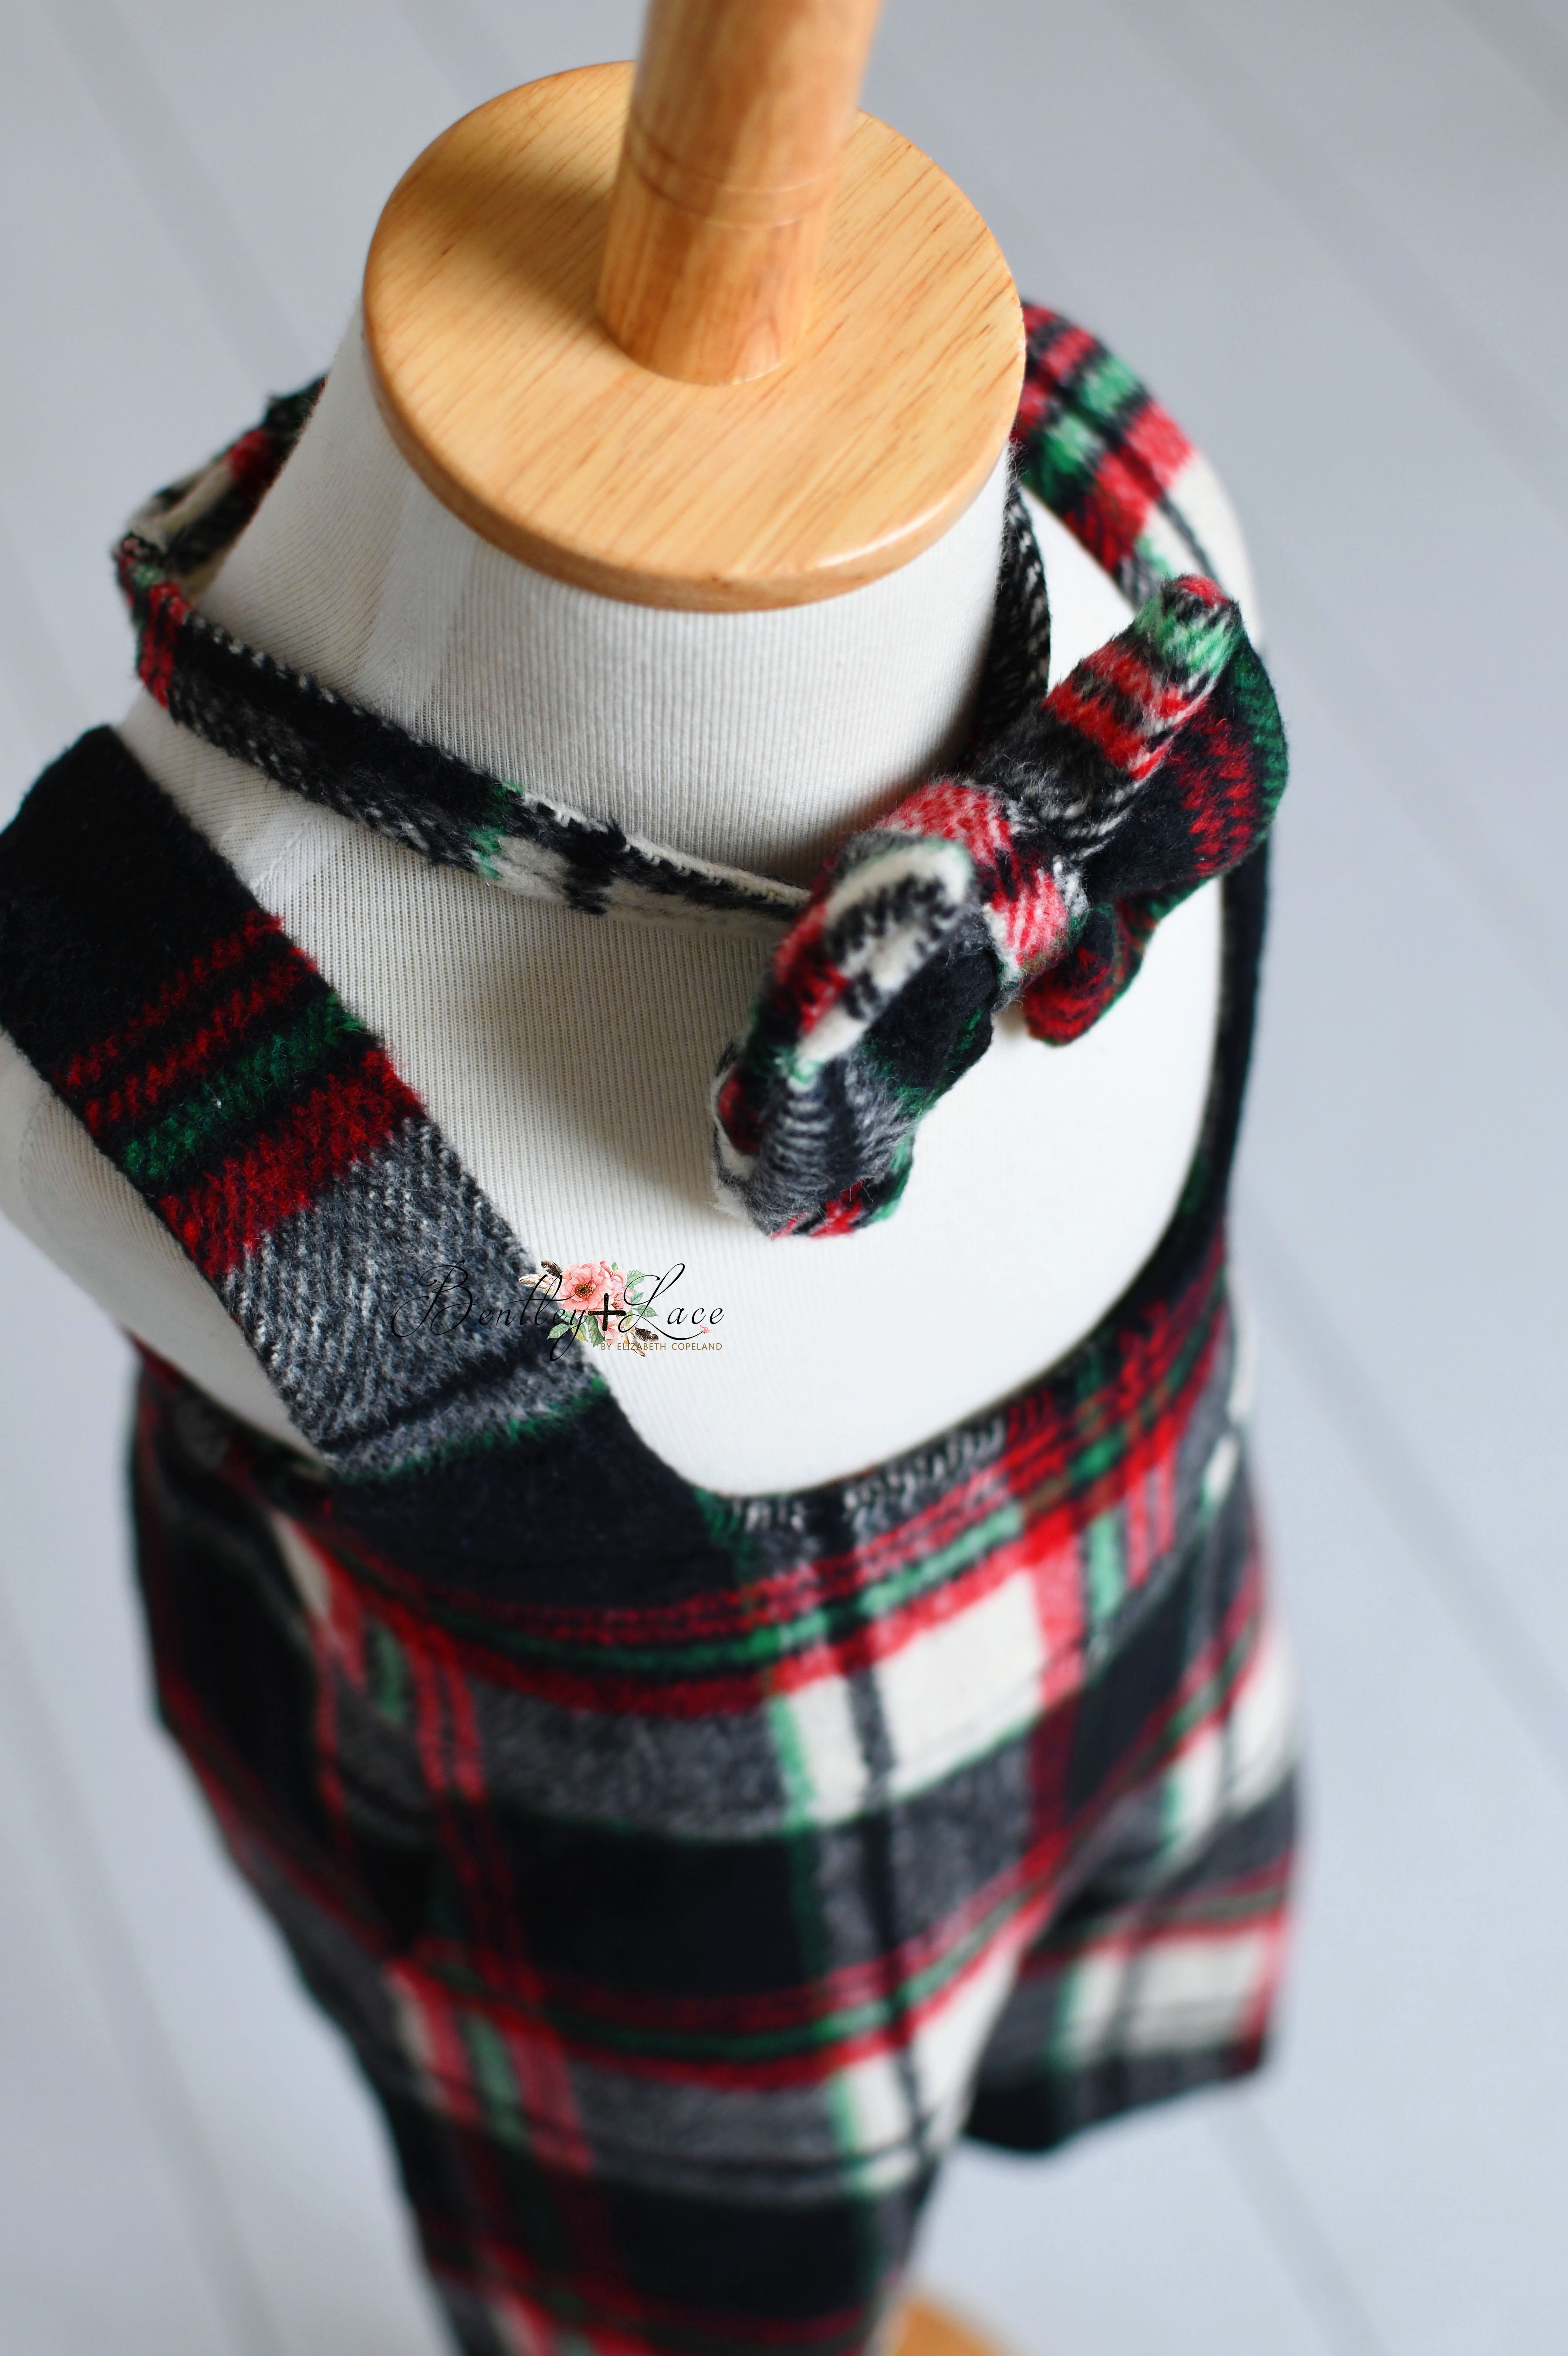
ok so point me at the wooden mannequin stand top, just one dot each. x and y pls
(504, 387)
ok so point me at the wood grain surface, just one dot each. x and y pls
(733, 146)
(504, 390)
(924, 2329)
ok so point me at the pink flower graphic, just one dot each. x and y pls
(589, 1283)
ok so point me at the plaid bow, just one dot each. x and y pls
(1157, 763)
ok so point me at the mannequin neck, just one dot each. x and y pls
(752, 738)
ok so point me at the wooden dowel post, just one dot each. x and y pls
(739, 113)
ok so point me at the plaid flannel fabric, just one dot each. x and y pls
(322, 745)
(1082, 818)
(679, 1938)
(1038, 874)
(1157, 763)
(685, 1870)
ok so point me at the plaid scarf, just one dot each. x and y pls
(1039, 875)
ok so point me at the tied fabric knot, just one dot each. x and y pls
(1040, 877)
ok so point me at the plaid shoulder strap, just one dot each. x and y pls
(266, 1127)
(1095, 447)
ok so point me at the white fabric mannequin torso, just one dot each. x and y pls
(568, 1057)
